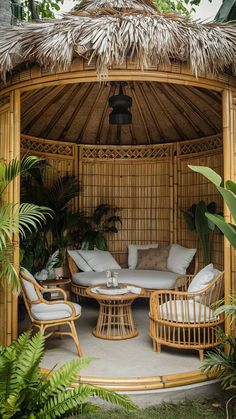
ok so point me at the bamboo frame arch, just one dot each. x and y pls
(32, 79)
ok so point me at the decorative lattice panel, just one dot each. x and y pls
(130, 152)
(47, 147)
(200, 146)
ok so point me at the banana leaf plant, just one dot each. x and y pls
(229, 195)
(203, 227)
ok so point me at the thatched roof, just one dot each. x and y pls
(111, 30)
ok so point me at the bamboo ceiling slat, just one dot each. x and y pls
(161, 113)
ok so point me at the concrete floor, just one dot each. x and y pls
(126, 358)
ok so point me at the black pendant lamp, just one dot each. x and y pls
(120, 115)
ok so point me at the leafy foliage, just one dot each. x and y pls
(40, 9)
(103, 220)
(184, 7)
(47, 8)
(25, 393)
(229, 195)
(59, 197)
(15, 219)
(203, 227)
(219, 361)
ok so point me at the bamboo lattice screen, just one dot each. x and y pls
(151, 184)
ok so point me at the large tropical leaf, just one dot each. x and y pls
(190, 219)
(202, 230)
(208, 173)
(229, 230)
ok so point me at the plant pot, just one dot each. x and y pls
(59, 272)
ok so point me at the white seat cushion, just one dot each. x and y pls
(180, 258)
(142, 278)
(79, 261)
(99, 260)
(133, 252)
(186, 312)
(58, 311)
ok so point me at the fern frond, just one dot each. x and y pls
(107, 395)
(69, 400)
(64, 376)
(26, 365)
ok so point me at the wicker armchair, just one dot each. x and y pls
(184, 320)
(46, 314)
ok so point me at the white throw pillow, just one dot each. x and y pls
(133, 252)
(179, 258)
(79, 260)
(29, 288)
(203, 278)
(99, 260)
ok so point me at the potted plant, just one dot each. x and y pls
(103, 220)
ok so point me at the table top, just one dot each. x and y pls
(127, 296)
(55, 282)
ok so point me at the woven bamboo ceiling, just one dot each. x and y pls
(161, 113)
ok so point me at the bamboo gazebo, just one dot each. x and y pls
(57, 78)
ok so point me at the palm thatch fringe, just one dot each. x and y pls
(110, 31)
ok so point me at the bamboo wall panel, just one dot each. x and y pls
(233, 176)
(9, 149)
(151, 184)
(142, 189)
(193, 187)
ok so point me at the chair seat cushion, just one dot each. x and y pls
(61, 310)
(186, 312)
(142, 278)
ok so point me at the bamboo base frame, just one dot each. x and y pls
(115, 319)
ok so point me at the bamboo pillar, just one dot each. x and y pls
(229, 132)
(9, 149)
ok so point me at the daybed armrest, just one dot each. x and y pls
(182, 282)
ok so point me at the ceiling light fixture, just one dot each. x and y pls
(120, 115)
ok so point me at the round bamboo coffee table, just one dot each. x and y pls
(115, 318)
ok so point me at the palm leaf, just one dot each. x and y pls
(9, 171)
(62, 192)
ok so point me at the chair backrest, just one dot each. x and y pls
(73, 268)
(27, 282)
